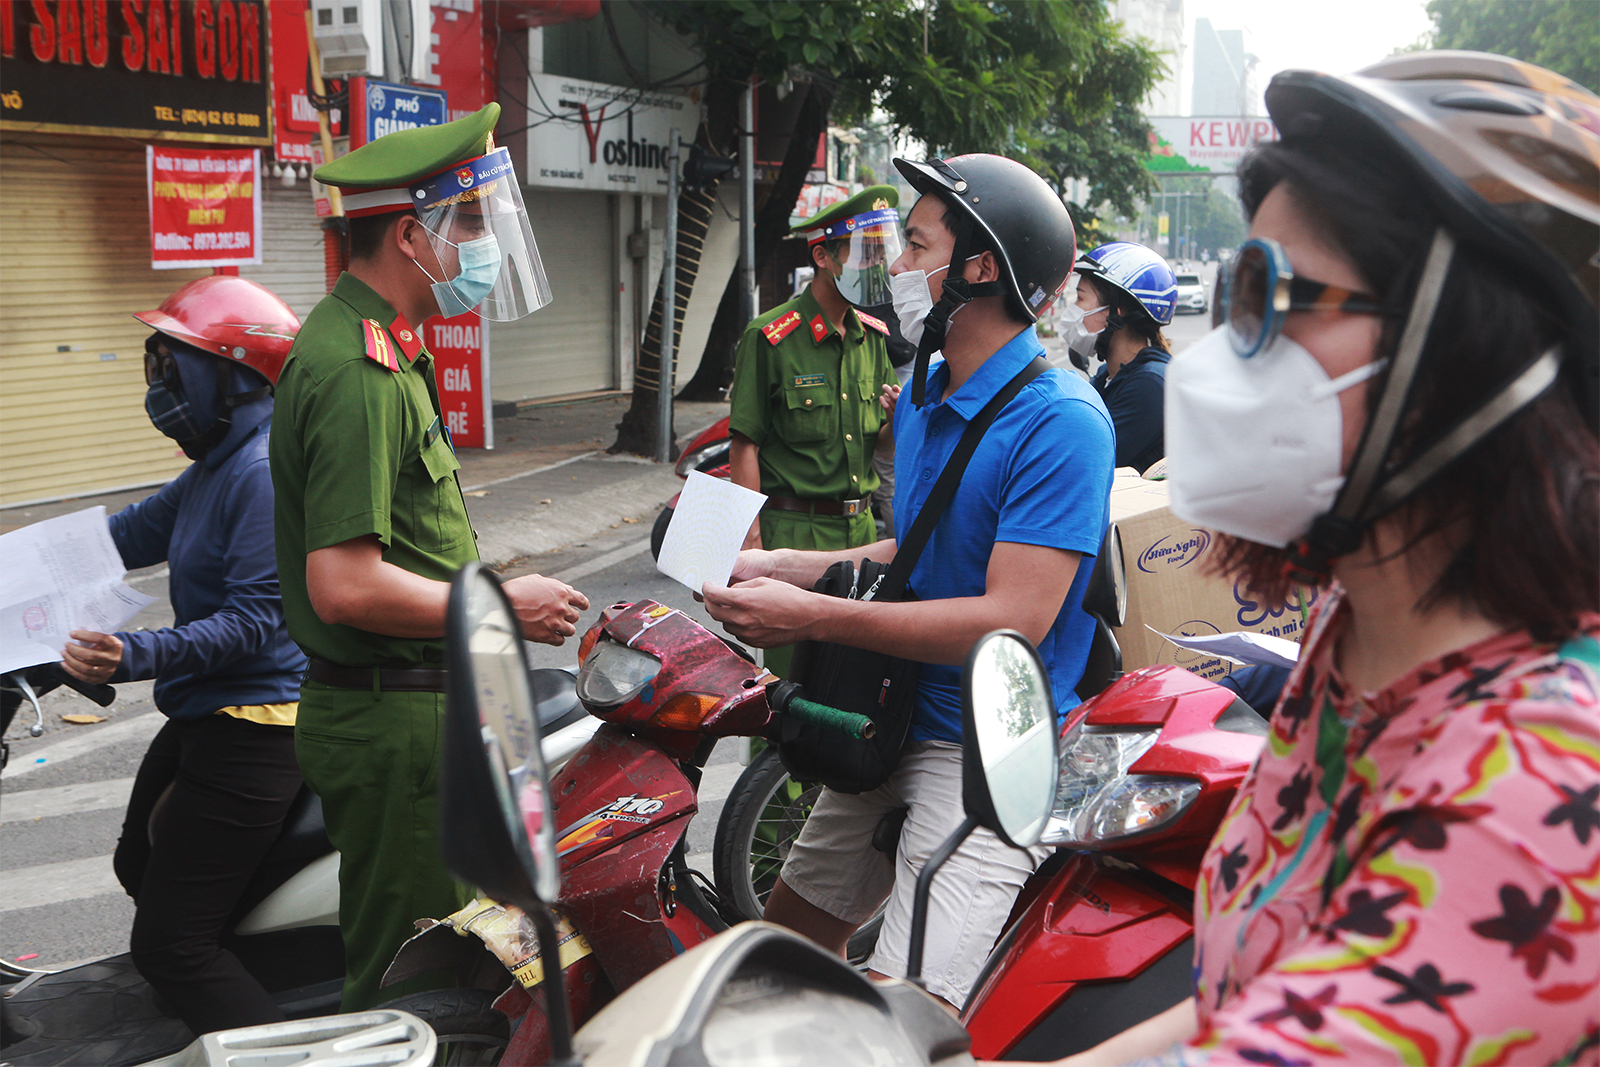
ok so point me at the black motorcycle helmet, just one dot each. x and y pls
(1026, 224)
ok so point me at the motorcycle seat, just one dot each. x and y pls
(555, 699)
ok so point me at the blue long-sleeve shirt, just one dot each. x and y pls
(212, 525)
(1136, 399)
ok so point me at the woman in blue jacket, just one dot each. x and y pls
(217, 780)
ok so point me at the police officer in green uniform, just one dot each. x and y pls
(370, 520)
(807, 378)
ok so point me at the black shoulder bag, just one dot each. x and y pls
(874, 684)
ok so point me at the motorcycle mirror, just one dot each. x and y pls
(1008, 760)
(1009, 739)
(495, 813)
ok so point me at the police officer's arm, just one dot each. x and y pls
(744, 469)
(350, 584)
(1025, 588)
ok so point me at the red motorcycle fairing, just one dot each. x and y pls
(621, 808)
(1088, 924)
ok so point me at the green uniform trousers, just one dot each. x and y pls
(821, 533)
(373, 758)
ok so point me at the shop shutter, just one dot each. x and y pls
(292, 262)
(74, 267)
(567, 346)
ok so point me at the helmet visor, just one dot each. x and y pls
(478, 227)
(875, 242)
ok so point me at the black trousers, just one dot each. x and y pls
(232, 782)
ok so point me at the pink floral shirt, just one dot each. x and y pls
(1412, 876)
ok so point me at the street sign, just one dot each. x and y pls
(380, 108)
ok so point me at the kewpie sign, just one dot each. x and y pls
(460, 348)
(205, 206)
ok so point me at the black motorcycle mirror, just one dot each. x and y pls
(1008, 760)
(494, 795)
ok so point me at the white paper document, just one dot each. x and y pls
(60, 575)
(1244, 647)
(707, 531)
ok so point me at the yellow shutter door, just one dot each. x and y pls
(74, 267)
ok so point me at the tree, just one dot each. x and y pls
(1563, 35)
(973, 75)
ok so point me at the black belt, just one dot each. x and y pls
(394, 679)
(846, 508)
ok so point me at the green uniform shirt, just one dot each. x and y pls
(808, 398)
(356, 449)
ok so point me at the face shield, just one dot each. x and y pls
(875, 242)
(478, 228)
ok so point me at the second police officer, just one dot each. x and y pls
(805, 417)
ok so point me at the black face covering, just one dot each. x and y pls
(189, 402)
(955, 294)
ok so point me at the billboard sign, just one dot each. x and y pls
(590, 135)
(379, 108)
(1203, 143)
(205, 206)
(169, 69)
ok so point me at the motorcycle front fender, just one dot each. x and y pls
(1093, 931)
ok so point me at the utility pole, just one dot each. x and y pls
(669, 312)
(747, 200)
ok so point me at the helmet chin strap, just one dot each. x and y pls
(1376, 487)
(954, 295)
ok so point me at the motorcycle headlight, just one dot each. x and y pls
(1098, 801)
(613, 673)
(693, 459)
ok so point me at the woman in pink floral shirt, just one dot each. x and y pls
(1402, 406)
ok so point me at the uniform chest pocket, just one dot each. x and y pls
(808, 415)
(872, 414)
(439, 515)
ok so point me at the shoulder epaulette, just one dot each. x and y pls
(379, 348)
(780, 327)
(877, 324)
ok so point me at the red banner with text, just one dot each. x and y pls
(460, 348)
(205, 206)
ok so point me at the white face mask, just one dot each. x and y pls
(1254, 445)
(913, 299)
(1079, 339)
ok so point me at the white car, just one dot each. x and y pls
(1191, 293)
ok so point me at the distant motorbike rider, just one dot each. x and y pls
(1126, 294)
(213, 788)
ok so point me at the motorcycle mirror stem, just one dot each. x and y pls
(1008, 761)
(495, 811)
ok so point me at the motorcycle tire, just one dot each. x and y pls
(760, 820)
(471, 1033)
(658, 532)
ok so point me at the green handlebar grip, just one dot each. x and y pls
(846, 722)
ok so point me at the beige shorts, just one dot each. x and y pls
(834, 866)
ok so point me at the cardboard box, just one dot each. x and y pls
(1168, 587)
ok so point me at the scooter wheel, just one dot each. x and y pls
(658, 532)
(471, 1033)
(760, 820)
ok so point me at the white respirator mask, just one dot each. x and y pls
(1254, 445)
(913, 299)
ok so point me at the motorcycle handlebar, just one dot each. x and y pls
(101, 694)
(786, 700)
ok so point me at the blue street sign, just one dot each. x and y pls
(384, 108)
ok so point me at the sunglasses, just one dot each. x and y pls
(1259, 289)
(159, 365)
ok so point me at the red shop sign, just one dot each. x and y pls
(460, 348)
(205, 206)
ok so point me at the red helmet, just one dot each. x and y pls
(232, 317)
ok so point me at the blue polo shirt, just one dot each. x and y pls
(1041, 476)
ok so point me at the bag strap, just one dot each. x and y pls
(944, 490)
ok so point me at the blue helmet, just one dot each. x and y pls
(1137, 271)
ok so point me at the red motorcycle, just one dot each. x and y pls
(667, 689)
(1101, 937)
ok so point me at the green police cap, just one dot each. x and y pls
(374, 177)
(835, 220)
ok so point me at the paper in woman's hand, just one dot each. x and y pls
(707, 531)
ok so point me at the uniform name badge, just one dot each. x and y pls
(810, 379)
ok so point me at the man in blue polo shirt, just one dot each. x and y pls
(1011, 550)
